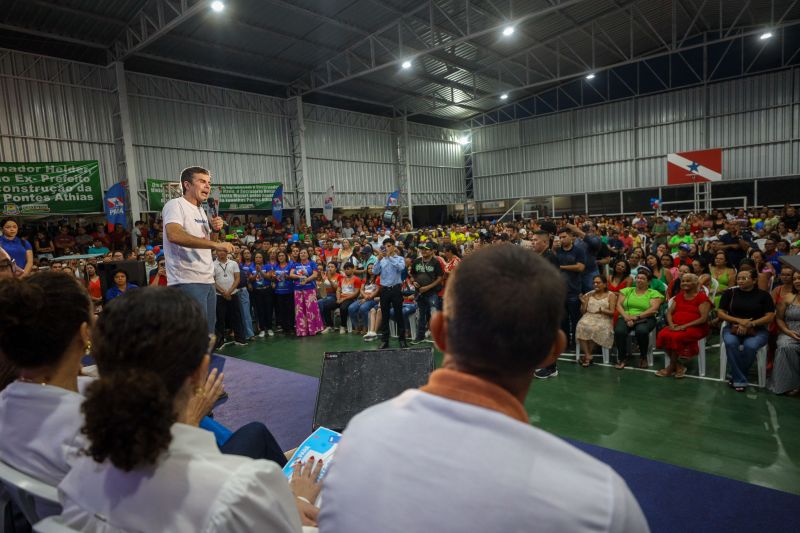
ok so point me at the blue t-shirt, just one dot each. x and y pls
(569, 257)
(245, 269)
(305, 270)
(113, 292)
(17, 249)
(261, 282)
(283, 284)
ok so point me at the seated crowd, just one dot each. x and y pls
(132, 448)
(628, 278)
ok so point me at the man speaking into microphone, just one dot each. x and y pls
(189, 237)
(390, 267)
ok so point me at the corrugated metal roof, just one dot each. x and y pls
(282, 41)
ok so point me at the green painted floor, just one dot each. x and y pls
(694, 423)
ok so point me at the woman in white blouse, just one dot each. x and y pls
(44, 332)
(145, 468)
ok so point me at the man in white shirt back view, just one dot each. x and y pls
(460, 454)
(189, 238)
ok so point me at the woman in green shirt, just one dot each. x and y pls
(637, 307)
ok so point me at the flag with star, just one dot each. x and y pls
(700, 166)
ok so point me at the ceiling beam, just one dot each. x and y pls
(155, 19)
(78, 12)
(378, 44)
(737, 34)
(54, 36)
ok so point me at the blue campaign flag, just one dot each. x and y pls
(114, 205)
(393, 199)
(277, 204)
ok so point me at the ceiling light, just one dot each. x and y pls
(406, 64)
(766, 35)
(504, 96)
(463, 140)
(590, 76)
(217, 6)
(508, 30)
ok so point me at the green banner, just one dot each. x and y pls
(232, 197)
(52, 187)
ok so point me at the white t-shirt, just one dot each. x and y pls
(187, 265)
(224, 273)
(194, 487)
(486, 470)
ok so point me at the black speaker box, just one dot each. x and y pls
(134, 269)
(353, 381)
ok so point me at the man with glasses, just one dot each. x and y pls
(390, 267)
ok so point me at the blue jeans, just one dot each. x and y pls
(740, 361)
(408, 310)
(207, 298)
(326, 307)
(359, 312)
(247, 318)
(426, 302)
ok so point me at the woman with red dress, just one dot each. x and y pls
(620, 276)
(687, 321)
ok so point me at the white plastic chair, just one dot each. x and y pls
(412, 323)
(34, 498)
(701, 358)
(761, 360)
(606, 354)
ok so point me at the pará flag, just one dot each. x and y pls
(114, 206)
(393, 199)
(694, 167)
(327, 206)
(277, 205)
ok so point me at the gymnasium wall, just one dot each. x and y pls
(58, 110)
(622, 146)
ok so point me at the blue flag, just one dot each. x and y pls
(114, 205)
(277, 204)
(393, 199)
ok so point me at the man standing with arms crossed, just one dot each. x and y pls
(189, 238)
(390, 267)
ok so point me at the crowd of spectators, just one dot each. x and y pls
(627, 277)
(667, 279)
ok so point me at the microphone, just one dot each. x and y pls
(213, 203)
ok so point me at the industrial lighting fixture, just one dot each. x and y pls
(590, 76)
(504, 96)
(217, 6)
(508, 30)
(766, 35)
(463, 140)
(406, 64)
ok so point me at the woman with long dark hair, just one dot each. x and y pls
(723, 273)
(17, 248)
(284, 293)
(307, 321)
(145, 468)
(748, 311)
(620, 276)
(44, 332)
(261, 277)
